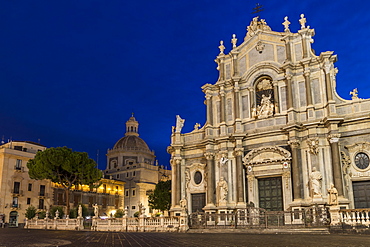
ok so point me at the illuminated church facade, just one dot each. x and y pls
(277, 135)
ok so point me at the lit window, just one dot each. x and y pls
(18, 164)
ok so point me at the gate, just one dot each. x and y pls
(316, 216)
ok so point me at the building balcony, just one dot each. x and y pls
(17, 192)
(43, 194)
(16, 206)
(19, 168)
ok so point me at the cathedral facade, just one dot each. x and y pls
(277, 135)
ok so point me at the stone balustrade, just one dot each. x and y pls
(55, 224)
(354, 217)
(142, 224)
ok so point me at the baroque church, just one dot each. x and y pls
(130, 160)
(277, 135)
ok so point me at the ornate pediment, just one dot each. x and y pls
(267, 154)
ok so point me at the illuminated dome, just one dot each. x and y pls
(131, 142)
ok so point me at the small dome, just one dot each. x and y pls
(132, 142)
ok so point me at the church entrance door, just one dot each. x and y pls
(361, 194)
(270, 194)
(198, 202)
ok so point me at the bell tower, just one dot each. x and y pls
(132, 127)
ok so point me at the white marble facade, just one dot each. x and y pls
(273, 117)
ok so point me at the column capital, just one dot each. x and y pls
(209, 155)
(289, 77)
(238, 151)
(177, 160)
(332, 138)
(294, 143)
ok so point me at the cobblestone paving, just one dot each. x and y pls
(11, 237)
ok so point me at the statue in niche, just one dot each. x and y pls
(179, 124)
(223, 189)
(315, 180)
(333, 195)
(266, 109)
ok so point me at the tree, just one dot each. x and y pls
(30, 212)
(65, 167)
(54, 209)
(161, 196)
(119, 213)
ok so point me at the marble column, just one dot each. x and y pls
(239, 176)
(176, 182)
(211, 189)
(336, 166)
(297, 183)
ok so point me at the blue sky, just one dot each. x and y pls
(72, 72)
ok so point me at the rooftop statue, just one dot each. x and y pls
(302, 21)
(286, 24)
(234, 40)
(257, 24)
(354, 94)
(221, 47)
(179, 124)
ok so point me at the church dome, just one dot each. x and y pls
(132, 142)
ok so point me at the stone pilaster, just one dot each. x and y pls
(236, 101)
(222, 104)
(308, 87)
(209, 109)
(289, 91)
(276, 97)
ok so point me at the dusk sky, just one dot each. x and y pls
(72, 72)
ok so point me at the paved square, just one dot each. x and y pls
(12, 237)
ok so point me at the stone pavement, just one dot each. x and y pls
(13, 237)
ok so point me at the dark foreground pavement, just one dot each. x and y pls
(12, 237)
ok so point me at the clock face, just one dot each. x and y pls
(362, 160)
